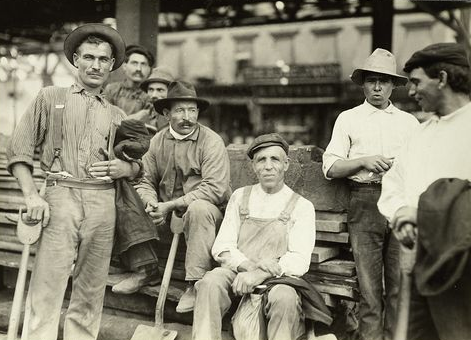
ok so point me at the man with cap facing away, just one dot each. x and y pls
(268, 231)
(364, 142)
(187, 171)
(128, 95)
(440, 148)
(141, 258)
(79, 187)
(156, 87)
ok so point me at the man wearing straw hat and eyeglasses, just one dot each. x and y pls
(72, 128)
(364, 142)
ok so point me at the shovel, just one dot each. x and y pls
(158, 332)
(28, 233)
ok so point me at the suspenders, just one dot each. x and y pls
(57, 117)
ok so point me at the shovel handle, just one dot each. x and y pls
(18, 296)
(160, 305)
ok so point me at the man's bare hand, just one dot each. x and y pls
(270, 266)
(115, 168)
(404, 225)
(377, 163)
(37, 209)
(245, 282)
(405, 214)
(158, 211)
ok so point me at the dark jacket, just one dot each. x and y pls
(444, 241)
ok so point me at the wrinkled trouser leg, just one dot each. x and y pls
(373, 249)
(77, 223)
(284, 314)
(420, 325)
(213, 300)
(199, 224)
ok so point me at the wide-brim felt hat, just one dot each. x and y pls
(105, 32)
(380, 61)
(180, 90)
(160, 74)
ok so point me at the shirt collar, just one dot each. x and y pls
(77, 88)
(452, 115)
(192, 136)
(372, 109)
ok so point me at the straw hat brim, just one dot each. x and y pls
(105, 32)
(154, 80)
(357, 76)
(161, 104)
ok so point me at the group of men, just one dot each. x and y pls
(255, 234)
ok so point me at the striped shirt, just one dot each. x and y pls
(87, 119)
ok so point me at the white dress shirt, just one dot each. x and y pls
(367, 131)
(301, 233)
(440, 148)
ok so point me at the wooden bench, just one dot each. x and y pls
(332, 270)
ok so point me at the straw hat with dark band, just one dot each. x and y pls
(180, 90)
(105, 32)
(380, 61)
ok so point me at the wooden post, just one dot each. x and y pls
(137, 22)
(383, 11)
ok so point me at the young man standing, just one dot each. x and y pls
(364, 142)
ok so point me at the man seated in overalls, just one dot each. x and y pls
(268, 231)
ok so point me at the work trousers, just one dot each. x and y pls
(376, 253)
(82, 224)
(200, 224)
(446, 316)
(285, 319)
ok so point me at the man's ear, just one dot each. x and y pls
(166, 113)
(442, 79)
(112, 63)
(75, 57)
(286, 165)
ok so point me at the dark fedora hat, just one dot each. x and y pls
(105, 32)
(131, 49)
(160, 74)
(180, 90)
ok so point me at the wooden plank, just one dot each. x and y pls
(320, 254)
(330, 226)
(339, 290)
(335, 266)
(333, 237)
(332, 279)
(8, 218)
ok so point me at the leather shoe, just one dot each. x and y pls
(133, 283)
(187, 301)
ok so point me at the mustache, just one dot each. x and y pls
(138, 73)
(187, 122)
(95, 74)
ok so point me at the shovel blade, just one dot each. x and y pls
(144, 332)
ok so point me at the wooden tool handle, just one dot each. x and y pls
(160, 305)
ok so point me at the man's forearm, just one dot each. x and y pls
(344, 168)
(25, 179)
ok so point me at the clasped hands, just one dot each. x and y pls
(246, 281)
(158, 211)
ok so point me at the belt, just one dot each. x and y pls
(359, 185)
(80, 184)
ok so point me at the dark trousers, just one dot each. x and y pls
(376, 253)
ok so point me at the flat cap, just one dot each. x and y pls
(264, 141)
(130, 49)
(450, 53)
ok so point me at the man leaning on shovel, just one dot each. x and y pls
(72, 128)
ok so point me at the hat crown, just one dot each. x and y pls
(381, 61)
(162, 72)
(181, 89)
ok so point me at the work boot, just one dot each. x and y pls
(135, 282)
(187, 301)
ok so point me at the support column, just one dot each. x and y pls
(137, 22)
(383, 11)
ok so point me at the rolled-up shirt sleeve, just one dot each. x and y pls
(29, 133)
(215, 176)
(301, 240)
(226, 240)
(392, 189)
(339, 145)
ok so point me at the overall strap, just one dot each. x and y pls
(57, 116)
(286, 213)
(244, 207)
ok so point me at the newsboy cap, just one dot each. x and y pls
(105, 32)
(264, 141)
(130, 49)
(450, 53)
